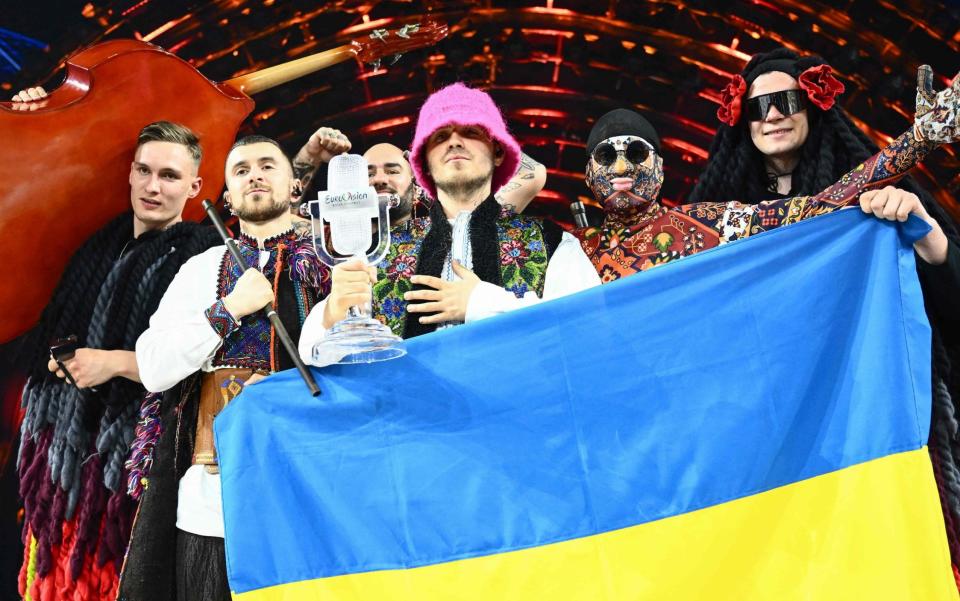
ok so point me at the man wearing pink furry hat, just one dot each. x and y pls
(470, 258)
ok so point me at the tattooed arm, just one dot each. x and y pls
(524, 185)
(322, 146)
(304, 171)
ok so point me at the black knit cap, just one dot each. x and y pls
(781, 59)
(622, 122)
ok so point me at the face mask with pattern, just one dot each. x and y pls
(624, 186)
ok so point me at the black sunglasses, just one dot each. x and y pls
(637, 152)
(787, 102)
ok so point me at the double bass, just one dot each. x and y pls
(68, 158)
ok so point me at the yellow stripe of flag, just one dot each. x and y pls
(872, 531)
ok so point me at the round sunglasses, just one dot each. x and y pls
(636, 152)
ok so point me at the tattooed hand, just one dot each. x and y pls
(938, 114)
(323, 145)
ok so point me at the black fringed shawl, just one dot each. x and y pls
(74, 443)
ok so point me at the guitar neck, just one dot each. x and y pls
(264, 79)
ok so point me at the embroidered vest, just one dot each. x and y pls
(292, 257)
(523, 258)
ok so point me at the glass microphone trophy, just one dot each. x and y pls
(344, 214)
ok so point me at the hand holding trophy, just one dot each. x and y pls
(344, 214)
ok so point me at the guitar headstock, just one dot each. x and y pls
(381, 43)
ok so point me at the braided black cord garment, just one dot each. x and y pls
(74, 443)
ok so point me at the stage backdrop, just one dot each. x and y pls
(748, 423)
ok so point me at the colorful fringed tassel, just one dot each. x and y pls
(147, 434)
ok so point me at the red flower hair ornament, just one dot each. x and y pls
(821, 86)
(731, 98)
(818, 82)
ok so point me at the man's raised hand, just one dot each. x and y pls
(323, 145)
(938, 113)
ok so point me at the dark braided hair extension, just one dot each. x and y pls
(812, 172)
(943, 442)
(945, 476)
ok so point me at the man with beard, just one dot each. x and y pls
(470, 258)
(75, 435)
(625, 172)
(210, 336)
(390, 173)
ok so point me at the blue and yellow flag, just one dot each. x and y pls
(748, 423)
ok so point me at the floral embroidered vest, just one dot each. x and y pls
(523, 257)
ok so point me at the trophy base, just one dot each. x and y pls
(358, 340)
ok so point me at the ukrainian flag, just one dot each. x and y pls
(749, 423)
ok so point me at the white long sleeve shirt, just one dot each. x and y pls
(179, 341)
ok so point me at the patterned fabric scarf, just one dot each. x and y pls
(509, 250)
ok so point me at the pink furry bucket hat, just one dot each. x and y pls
(457, 104)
